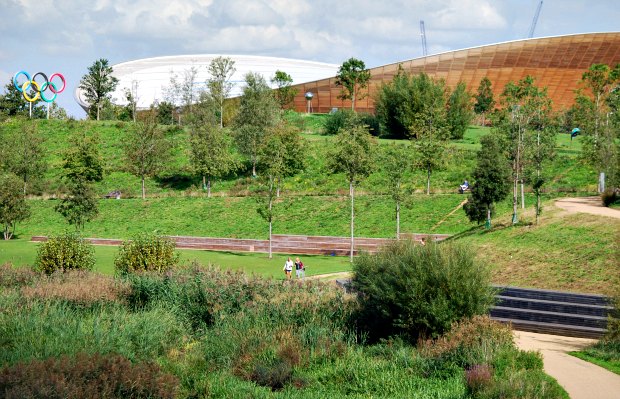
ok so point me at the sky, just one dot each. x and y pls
(67, 36)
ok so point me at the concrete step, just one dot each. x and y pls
(549, 317)
(556, 296)
(553, 306)
(554, 328)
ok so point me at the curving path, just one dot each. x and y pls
(581, 379)
(590, 205)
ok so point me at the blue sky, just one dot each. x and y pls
(67, 35)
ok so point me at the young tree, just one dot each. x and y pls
(285, 94)
(182, 91)
(83, 165)
(165, 111)
(25, 152)
(353, 77)
(258, 112)
(211, 149)
(281, 155)
(523, 106)
(594, 112)
(396, 162)
(97, 84)
(221, 70)
(353, 156)
(491, 180)
(429, 152)
(460, 111)
(484, 99)
(13, 206)
(146, 148)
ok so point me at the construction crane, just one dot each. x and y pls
(535, 20)
(423, 35)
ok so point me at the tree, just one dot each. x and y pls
(409, 104)
(97, 84)
(258, 112)
(353, 156)
(211, 149)
(80, 206)
(285, 94)
(353, 77)
(524, 108)
(13, 206)
(396, 162)
(12, 103)
(25, 151)
(429, 154)
(595, 112)
(146, 148)
(540, 146)
(221, 70)
(484, 99)
(164, 113)
(491, 180)
(460, 112)
(83, 165)
(281, 155)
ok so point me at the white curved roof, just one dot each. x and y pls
(152, 75)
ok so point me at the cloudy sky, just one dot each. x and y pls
(68, 35)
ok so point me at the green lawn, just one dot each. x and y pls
(23, 253)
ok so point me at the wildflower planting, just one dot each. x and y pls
(195, 332)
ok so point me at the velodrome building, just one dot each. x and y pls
(557, 63)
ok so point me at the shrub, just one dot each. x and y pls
(86, 376)
(343, 118)
(370, 120)
(63, 253)
(146, 253)
(275, 375)
(419, 291)
(610, 197)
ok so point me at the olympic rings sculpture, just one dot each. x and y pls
(40, 89)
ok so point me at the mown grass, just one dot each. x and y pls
(23, 253)
(574, 252)
(596, 358)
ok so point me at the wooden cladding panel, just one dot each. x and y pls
(557, 63)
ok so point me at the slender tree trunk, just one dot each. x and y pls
(537, 205)
(522, 196)
(270, 207)
(143, 189)
(428, 181)
(352, 194)
(97, 111)
(514, 202)
(25, 185)
(254, 166)
(278, 188)
(221, 115)
(204, 182)
(209, 187)
(398, 220)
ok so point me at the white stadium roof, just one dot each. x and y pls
(149, 77)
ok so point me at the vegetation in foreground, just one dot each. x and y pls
(211, 334)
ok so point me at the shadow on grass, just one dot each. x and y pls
(480, 230)
(176, 182)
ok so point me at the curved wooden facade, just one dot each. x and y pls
(556, 62)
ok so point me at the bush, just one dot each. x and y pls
(343, 118)
(63, 253)
(146, 253)
(370, 120)
(86, 376)
(419, 291)
(610, 197)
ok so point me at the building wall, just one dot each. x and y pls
(556, 62)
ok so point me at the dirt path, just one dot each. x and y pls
(587, 205)
(581, 379)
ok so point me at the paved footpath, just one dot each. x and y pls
(581, 379)
(587, 205)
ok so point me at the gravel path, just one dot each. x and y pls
(581, 379)
(587, 205)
